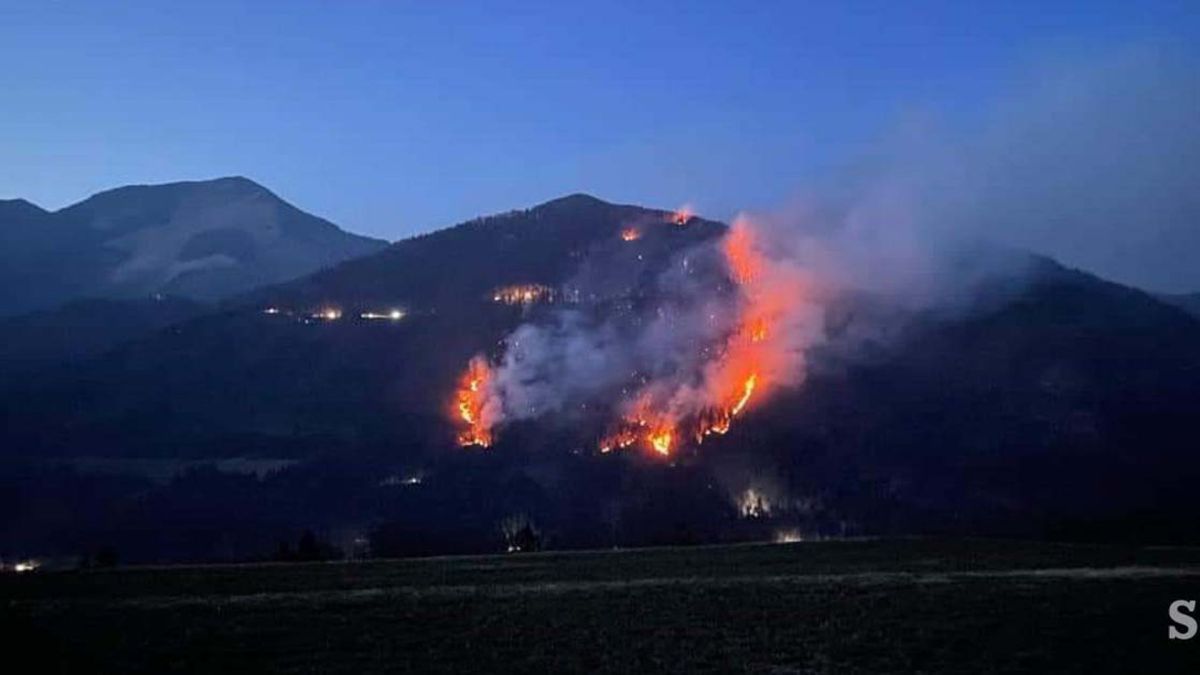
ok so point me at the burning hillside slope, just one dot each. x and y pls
(699, 353)
(1044, 394)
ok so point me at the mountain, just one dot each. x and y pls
(1046, 402)
(201, 240)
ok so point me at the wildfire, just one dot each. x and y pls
(631, 234)
(734, 375)
(682, 215)
(470, 399)
(747, 390)
(718, 421)
(619, 440)
(741, 253)
(758, 330)
(755, 351)
(658, 439)
(661, 441)
(522, 294)
(656, 432)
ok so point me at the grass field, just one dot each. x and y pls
(837, 607)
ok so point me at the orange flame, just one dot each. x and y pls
(740, 253)
(470, 398)
(656, 431)
(751, 357)
(631, 234)
(682, 215)
(757, 354)
(747, 390)
(661, 441)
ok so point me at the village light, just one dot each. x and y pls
(523, 294)
(390, 315)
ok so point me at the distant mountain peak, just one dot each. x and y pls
(224, 184)
(573, 200)
(20, 208)
(204, 240)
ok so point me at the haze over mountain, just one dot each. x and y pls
(202, 240)
(1042, 402)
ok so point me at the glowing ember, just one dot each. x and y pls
(469, 403)
(658, 439)
(758, 330)
(619, 440)
(523, 294)
(661, 441)
(682, 215)
(656, 432)
(631, 234)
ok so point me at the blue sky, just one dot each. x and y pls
(393, 118)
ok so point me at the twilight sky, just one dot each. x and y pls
(392, 118)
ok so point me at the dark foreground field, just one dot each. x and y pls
(849, 606)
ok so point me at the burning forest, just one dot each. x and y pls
(469, 404)
(726, 326)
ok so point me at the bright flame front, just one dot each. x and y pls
(470, 399)
(755, 352)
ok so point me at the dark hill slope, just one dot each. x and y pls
(1066, 409)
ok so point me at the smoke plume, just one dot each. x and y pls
(1090, 162)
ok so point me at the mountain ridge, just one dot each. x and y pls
(203, 240)
(1049, 402)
